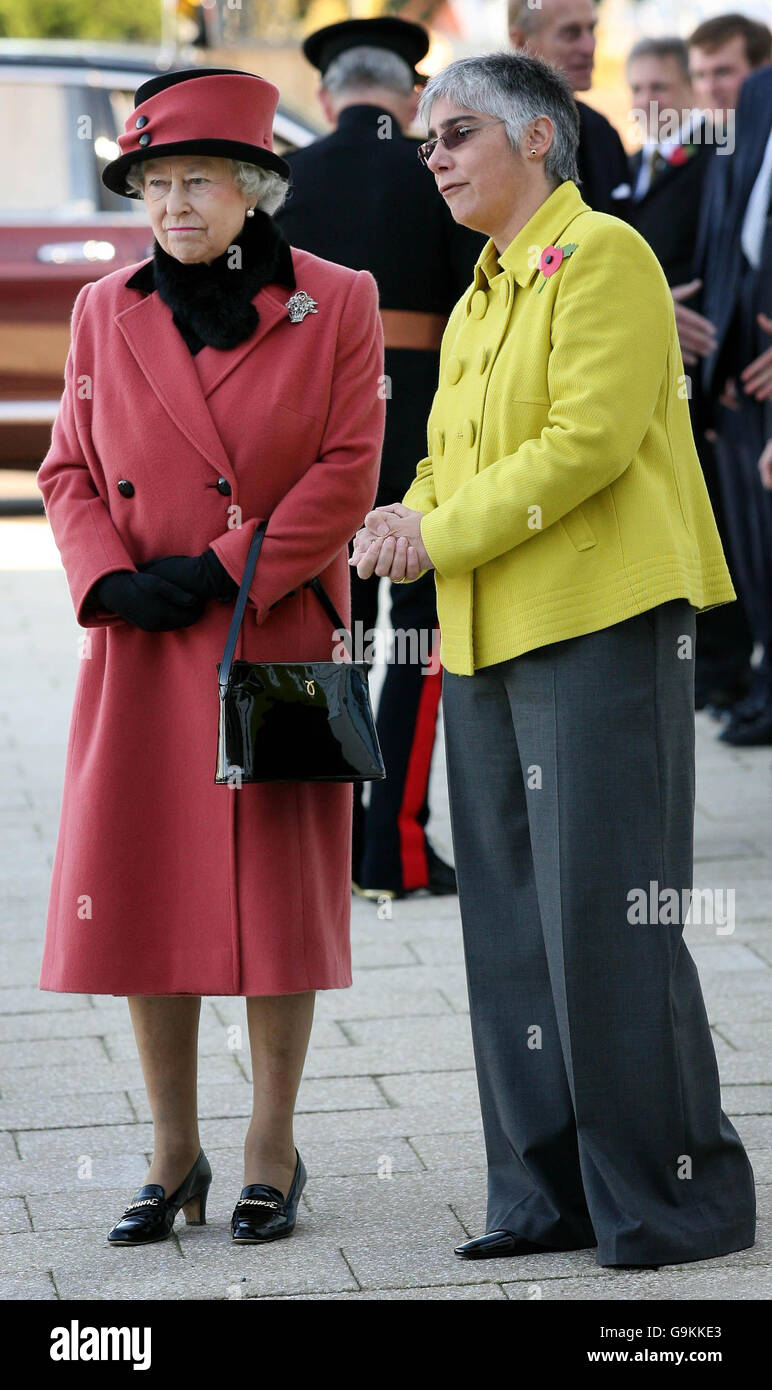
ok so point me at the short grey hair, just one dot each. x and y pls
(668, 47)
(525, 16)
(368, 66)
(516, 88)
(521, 15)
(266, 185)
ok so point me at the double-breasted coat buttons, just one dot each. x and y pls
(479, 304)
(224, 487)
(454, 370)
(469, 433)
(125, 488)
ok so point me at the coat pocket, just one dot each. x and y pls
(578, 529)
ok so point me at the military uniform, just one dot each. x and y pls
(361, 197)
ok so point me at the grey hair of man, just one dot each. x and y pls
(527, 17)
(265, 185)
(524, 16)
(366, 66)
(515, 88)
(665, 47)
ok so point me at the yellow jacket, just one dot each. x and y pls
(562, 488)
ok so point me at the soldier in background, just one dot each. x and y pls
(361, 197)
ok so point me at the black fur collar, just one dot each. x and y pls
(212, 304)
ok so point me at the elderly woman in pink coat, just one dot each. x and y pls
(227, 380)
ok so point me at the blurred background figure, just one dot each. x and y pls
(668, 170)
(668, 175)
(734, 261)
(361, 197)
(563, 32)
(722, 52)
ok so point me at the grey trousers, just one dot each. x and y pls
(571, 781)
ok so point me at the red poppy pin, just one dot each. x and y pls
(552, 258)
(681, 154)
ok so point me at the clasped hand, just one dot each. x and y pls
(167, 593)
(390, 545)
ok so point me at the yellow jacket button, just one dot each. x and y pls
(469, 432)
(505, 288)
(438, 441)
(454, 370)
(482, 359)
(479, 305)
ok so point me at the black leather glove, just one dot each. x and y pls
(147, 600)
(202, 575)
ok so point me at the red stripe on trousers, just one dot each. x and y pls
(412, 841)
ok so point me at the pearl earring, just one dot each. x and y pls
(533, 152)
(250, 212)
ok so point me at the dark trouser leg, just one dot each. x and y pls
(534, 1177)
(364, 615)
(394, 853)
(749, 513)
(724, 640)
(604, 729)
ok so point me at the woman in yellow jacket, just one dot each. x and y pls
(562, 507)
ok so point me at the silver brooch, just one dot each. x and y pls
(299, 305)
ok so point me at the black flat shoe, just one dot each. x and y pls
(152, 1214)
(496, 1243)
(441, 882)
(754, 732)
(377, 895)
(263, 1213)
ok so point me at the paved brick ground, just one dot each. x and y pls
(388, 1120)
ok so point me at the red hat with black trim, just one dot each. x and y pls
(213, 111)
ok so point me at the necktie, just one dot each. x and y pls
(658, 163)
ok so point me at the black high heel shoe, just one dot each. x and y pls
(263, 1213)
(152, 1214)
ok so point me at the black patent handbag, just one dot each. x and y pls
(303, 721)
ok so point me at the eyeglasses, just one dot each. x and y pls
(451, 139)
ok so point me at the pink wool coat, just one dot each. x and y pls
(163, 882)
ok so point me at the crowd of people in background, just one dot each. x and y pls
(698, 190)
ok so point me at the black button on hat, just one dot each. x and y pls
(224, 487)
(125, 488)
(144, 139)
(400, 36)
(140, 121)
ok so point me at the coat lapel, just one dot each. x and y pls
(162, 355)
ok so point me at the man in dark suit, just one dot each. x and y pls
(563, 33)
(667, 175)
(734, 265)
(361, 197)
(668, 171)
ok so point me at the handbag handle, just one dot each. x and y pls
(241, 603)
